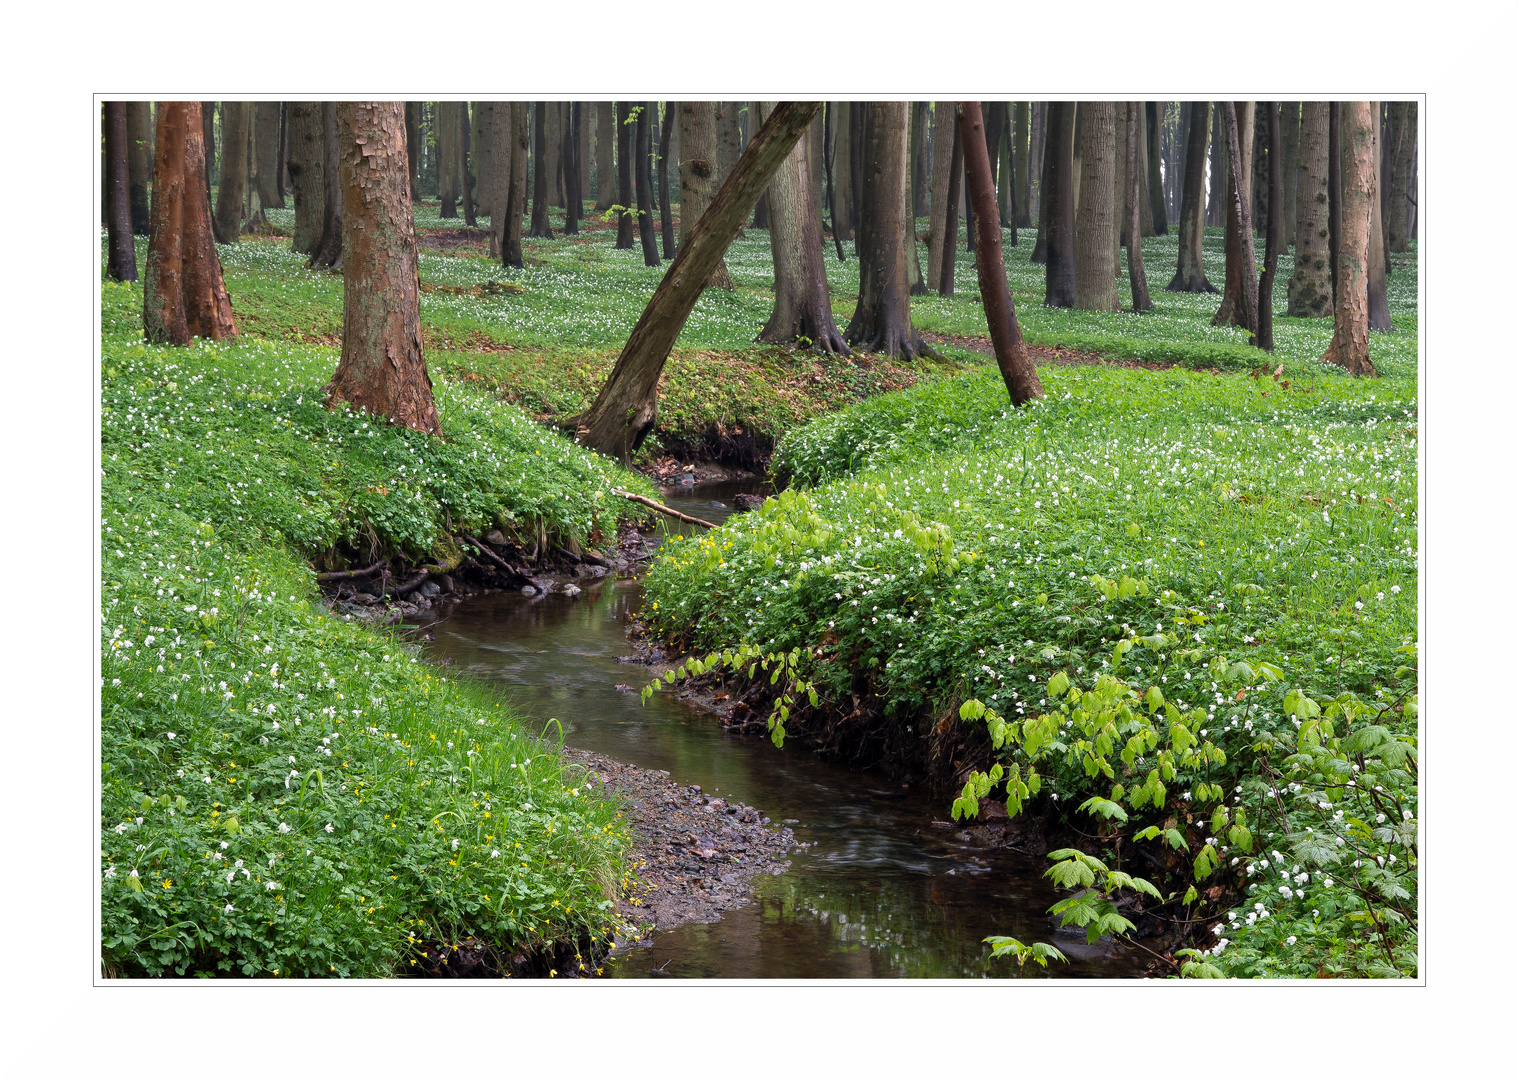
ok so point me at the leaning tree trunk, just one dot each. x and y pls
(1157, 188)
(991, 274)
(1310, 293)
(698, 176)
(381, 369)
(666, 220)
(801, 308)
(1139, 287)
(1350, 347)
(183, 293)
(1190, 276)
(882, 319)
(229, 196)
(1096, 286)
(939, 202)
(627, 405)
(1404, 115)
(267, 143)
(645, 196)
(139, 171)
(121, 253)
(606, 158)
(516, 192)
(1060, 228)
(328, 250)
(1263, 304)
(541, 164)
(1237, 306)
(307, 185)
(1378, 316)
(625, 223)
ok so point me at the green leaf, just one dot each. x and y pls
(1059, 683)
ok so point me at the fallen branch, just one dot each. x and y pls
(497, 559)
(349, 575)
(687, 518)
(447, 566)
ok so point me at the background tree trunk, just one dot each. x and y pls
(1404, 151)
(627, 405)
(583, 124)
(516, 192)
(1060, 226)
(1157, 186)
(645, 194)
(845, 211)
(446, 136)
(1239, 269)
(1096, 288)
(698, 176)
(1190, 276)
(499, 185)
(570, 144)
(606, 157)
(991, 121)
(121, 252)
(938, 203)
(1378, 317)
(381, 369)
(553, 150)
(413, 150)
(882, 318)
(1273, 230)
(462, 155)
(991, 274)
(1334, 180)
(1290, 120)
(542, 162)
(830, 136)
(328, 250)
(922, 158)
(1217, 178)
(234, 158)
(730, 142)
(916, 286)
(950, 227)
(1310, 294)
(139, 143)
(626, 226)
(666, 221)
(267, 141)
(307, 186)
(1350, 347)
(1139, 286)
(1021, 158)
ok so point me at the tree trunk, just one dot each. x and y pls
(413, 148)
(307, 186)
(1217, 183)
(882, 318)
(462, 155)
(1350, 347)
(267, 143)
(541, 178)
(183, 295)
(644, 194)
(698, 177)
(1157, 187)
(1378, 316)
(666, 220)
(844, 209)
(857, 167)
(1310, 293)
(328, 251)
(447, 136)
(1096, 287)
(553, 150)
(381, 369)
(1238, 307)
(570, 146)
(121, 253)
(729, 138)
(801, 309)
(253, 202)
(1021, 160)
(140, 172)
(626, 225)
(1039, 169)
(229, 196)
(991, 274)
(916, 286)
(830, 114)
(1336, 188)
(625, 409)
(950, 227)
(606, 157)
(922, 159)
(1038, 137)
(1239, 268)
(1139, 286)
(583, 124)
(939, 203)
(499, 184)
(1289, 117)
(1403, 152)
(1190, 276)
(1273, 229)
(1060, 225)
(991, 119)
(516, 192)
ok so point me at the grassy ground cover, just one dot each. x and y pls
(285, 793)
(1234, 556)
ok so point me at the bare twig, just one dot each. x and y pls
(687, 518)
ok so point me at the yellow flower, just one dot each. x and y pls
(167, 884)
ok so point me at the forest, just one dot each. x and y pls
(759, 539)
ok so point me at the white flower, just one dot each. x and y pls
(284, 827)
(329, 827)
(230, 875)
(229, 909)
(169, 734)
(1292, 939)
(110, 871)
(495, 854)
(271, 885)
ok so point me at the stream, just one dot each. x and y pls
(881, 893)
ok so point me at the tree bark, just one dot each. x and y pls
(645, 195)
(1001, 319)
(413, 148)
(267, 141)
(1190, 276)
(183, 294)
(698, 176)
(571, 149)
(1139, 286)
(139, 172)
(516, 194)
(666, 221)
(381, 369)
(1021, 165)
(1157, 187)
(939, 202)
(606, 157)
(1217, 182)
(462, 146)
(553, 150)
(830, 114)
(1350, 346)
(845, 210)
(499, 184)
(916, 286)
(1039, 167)
(583, 125)
(1096, 287)
(328, 250)
(1239, 237)
(446, 125)
(949, 229)
(234, 158)
(626, 225)
(1290, 120)
(1060, 225)
(729, 138)
(541, 165)
(1378, 316)
(1310, 293)
(306, 161)
(1264, 302)
(801, 309)
(1404, 125)
(1334, 179)
(991, 119)
(121, 254)
(627, 405)
(922, 159)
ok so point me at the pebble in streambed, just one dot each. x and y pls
(693, 853)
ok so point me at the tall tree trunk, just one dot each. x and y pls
(267, 142)
(645, 195)
(447, 138)
(1021, 160)
(1350, 346)
(1238, 307)
(381, 369)
(666, 220)
(950, 228)
(1404, 150)
(626, 223)
(882, 318)
(1310, 293)
(627, 405)
(1239, 268)
(1001, 319)
(583, 125)
(553, 150)
(698, 177)
(1038, 137)
(606, 157)
(1190, 276)
(830, 116)
(857, 167)
(1139, 286)
(462, 146)
(1120, 182)
(730, 138)
(497, 165)
(1378, 316)
(922, 159)
(1335, 181)
(1096, 287)
(844, 212)
(571, 148)
(542, 162)
(307, 186)
(1290, 119)
(939, 205)
(1217, 181)
(516, 192)
(1060, 226)
(121, 253)
(253, 203)
(1157, 188)
(140, 171)
(801, 308)
(413, 147)
(1039, 169)
(1264, 303)
(1008, 154)
(183, 295)
(916, 286)
(328, 251)
(991, 115)
(280, 171)
(229, 196)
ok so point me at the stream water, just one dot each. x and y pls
(881, 893)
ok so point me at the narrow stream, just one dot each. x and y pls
(882, 893)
